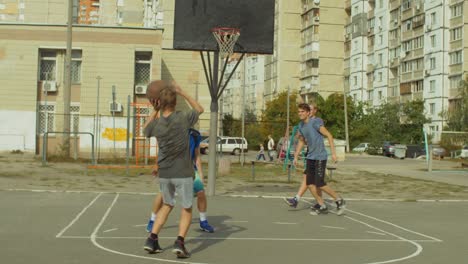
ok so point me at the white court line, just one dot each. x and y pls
(94, 237)
(234, 221)
(394, 225)
(382, 234)
(257, 239)
(334, 227)
(78, 216)
(284, 223)
(416, 253)
(110, 230)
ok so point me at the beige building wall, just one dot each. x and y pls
(34, 11)
(282, 68)
(322, 48)
(106, 52)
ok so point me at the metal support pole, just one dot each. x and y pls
(346, 119)
(242, 157)
(113, 114)
(127, 154)
(429, 165)
(67, 78)
(98, 132)
(253, 170)
(213, 128)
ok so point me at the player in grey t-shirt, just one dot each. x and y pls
(312, 131)
(175, 167)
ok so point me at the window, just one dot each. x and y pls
(433, 18)
(142, 68)
(418, 42)
(432, 108)
(418, 86)
(380, 39)
(381, 3)
(75, 118)
(456, 57)
(432, 86)
(380, 76)
(456, 10)
(48, 65)
(355, 80)
(433, 63)
(76, 67)
(433, 41)
(356, 61)
(354, 97)
(380, 95)
(380, 60)
(370, 94)
(456, 33)
(418, 64)
(455, 81)
(408, 25)
(46, 118)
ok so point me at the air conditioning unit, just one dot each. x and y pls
(418, 6)
(395, 21)
(402, 55)
(49, 86)
(369, 30)
(428, 27)
(380, 28)
(140, 89)
(317, 18)
(115, 107)
(427, 72)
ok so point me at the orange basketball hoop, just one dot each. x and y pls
(226, 38)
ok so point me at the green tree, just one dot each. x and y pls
(332, 113)
(457, 116)
(273, 121)
(413, 122)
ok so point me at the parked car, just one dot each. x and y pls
(414, 151)
(362, 147)
(464, 152)
(388, 148)
(438, 152)
(232, 145)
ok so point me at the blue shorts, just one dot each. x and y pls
(197, 184)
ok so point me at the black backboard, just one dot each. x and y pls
(194, 20)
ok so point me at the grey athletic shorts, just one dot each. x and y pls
(183, 187)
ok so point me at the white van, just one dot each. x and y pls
(232, 145)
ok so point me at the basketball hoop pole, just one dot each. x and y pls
(216, 89)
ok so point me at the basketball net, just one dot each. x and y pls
(226, 38)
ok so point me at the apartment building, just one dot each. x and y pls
(322, 40)
(282, 69)
(125, 56)
(249, 75)
(413, 49)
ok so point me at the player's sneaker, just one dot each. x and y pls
(180, 250)
(149, 226)
(340, 206)
(292, 202)
(152, 246)
(321, 210)
(204, 226)
(316, 207)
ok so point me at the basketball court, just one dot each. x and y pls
(72, 227)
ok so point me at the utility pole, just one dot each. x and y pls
(67, 84)
(243, 117)
(98, 131)
(346, 118)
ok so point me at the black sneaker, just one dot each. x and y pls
(152, 246)
(321, 210)
(292, 202)
(316, 207)
(180, 250)
(340, 206)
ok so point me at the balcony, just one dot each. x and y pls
(310, 55)
(347, 5)
(456, 68)
(456, 22)
(394, 4)
(456, 45)
(407, 13)
(393, 82)
(395, 42)
(418, 95)
(370, 14)
(309, 72)
(370, 67)
(395, 62)
(454, 93)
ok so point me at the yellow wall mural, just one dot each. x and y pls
(120, 134)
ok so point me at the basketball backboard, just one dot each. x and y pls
(194, 20)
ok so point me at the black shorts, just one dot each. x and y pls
(316, 172)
